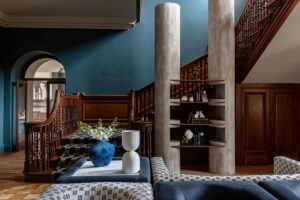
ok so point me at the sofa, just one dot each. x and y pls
(210, 190)
(283, 190)
(284, 184)
(98, 191)
(284, 169)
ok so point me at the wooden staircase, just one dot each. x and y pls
(257, 26)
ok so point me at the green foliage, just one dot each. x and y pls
(99, 131)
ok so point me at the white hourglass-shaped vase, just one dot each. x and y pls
(131, 159)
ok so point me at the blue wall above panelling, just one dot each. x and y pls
(1, 108)
(113, 62)
(101, 61)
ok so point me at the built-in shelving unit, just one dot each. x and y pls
(213, 126)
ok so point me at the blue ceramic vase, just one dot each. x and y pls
(102, 153)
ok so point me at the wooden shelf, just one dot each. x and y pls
(195, 102)
(196, 146)
(193, 146)
(194, 124)
(196, 80)
(210, 124)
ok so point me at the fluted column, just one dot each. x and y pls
(167, 67)
(221, 62)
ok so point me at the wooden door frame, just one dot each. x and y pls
(19, 83)
(239, 134)
(24, 82)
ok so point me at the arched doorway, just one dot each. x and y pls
(35, 93)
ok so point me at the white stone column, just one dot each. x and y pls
(167, 67)
(221, 65)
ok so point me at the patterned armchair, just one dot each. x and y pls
(99, 190)
(284, 165)
(160, 173)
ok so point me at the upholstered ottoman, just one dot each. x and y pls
(78, 173)
(98, 191)
(283, 190)
(210, 190)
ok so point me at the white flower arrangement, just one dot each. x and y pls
(99, 131)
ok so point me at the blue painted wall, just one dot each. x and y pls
(239, 6)
(102, 61)
(1, 108)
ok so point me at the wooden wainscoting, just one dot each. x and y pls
(107, 108)
(267, 122)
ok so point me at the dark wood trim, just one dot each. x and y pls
(115, 106)
(138, 10)
(266, 38)
(238, 124)
(289, 148)
(266, 85)
(271, 90)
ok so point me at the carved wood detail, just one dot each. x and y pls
(258, 24)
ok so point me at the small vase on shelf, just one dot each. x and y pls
(204, 96)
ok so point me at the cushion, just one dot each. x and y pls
(210, 190)
(283, 190)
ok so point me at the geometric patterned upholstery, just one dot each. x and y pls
(284, 165)
(160, 173)
(98, 191)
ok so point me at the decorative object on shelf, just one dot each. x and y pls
(184, 98)
(102, 152)
(199, 139)
(191, 98)
(188, 135)
(204, 96)
(199, 118)
(131, 159)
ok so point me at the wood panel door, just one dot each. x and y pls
(255, 127)
(283, 121)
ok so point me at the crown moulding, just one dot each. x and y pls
(12, 21)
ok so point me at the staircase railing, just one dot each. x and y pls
(144, 98)
(255, 29)
(41, 138)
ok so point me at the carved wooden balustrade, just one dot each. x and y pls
(255, 29)
(41, 138)
(144, 98)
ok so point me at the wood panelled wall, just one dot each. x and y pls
(267, 122)
(107, 108)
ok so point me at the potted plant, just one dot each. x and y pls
(102, 152)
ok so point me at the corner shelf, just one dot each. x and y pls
(177, 123)
(214, 109)
(185, 146)
(213, 82)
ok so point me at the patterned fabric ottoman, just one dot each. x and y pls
(98, 191)
(283, 167)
